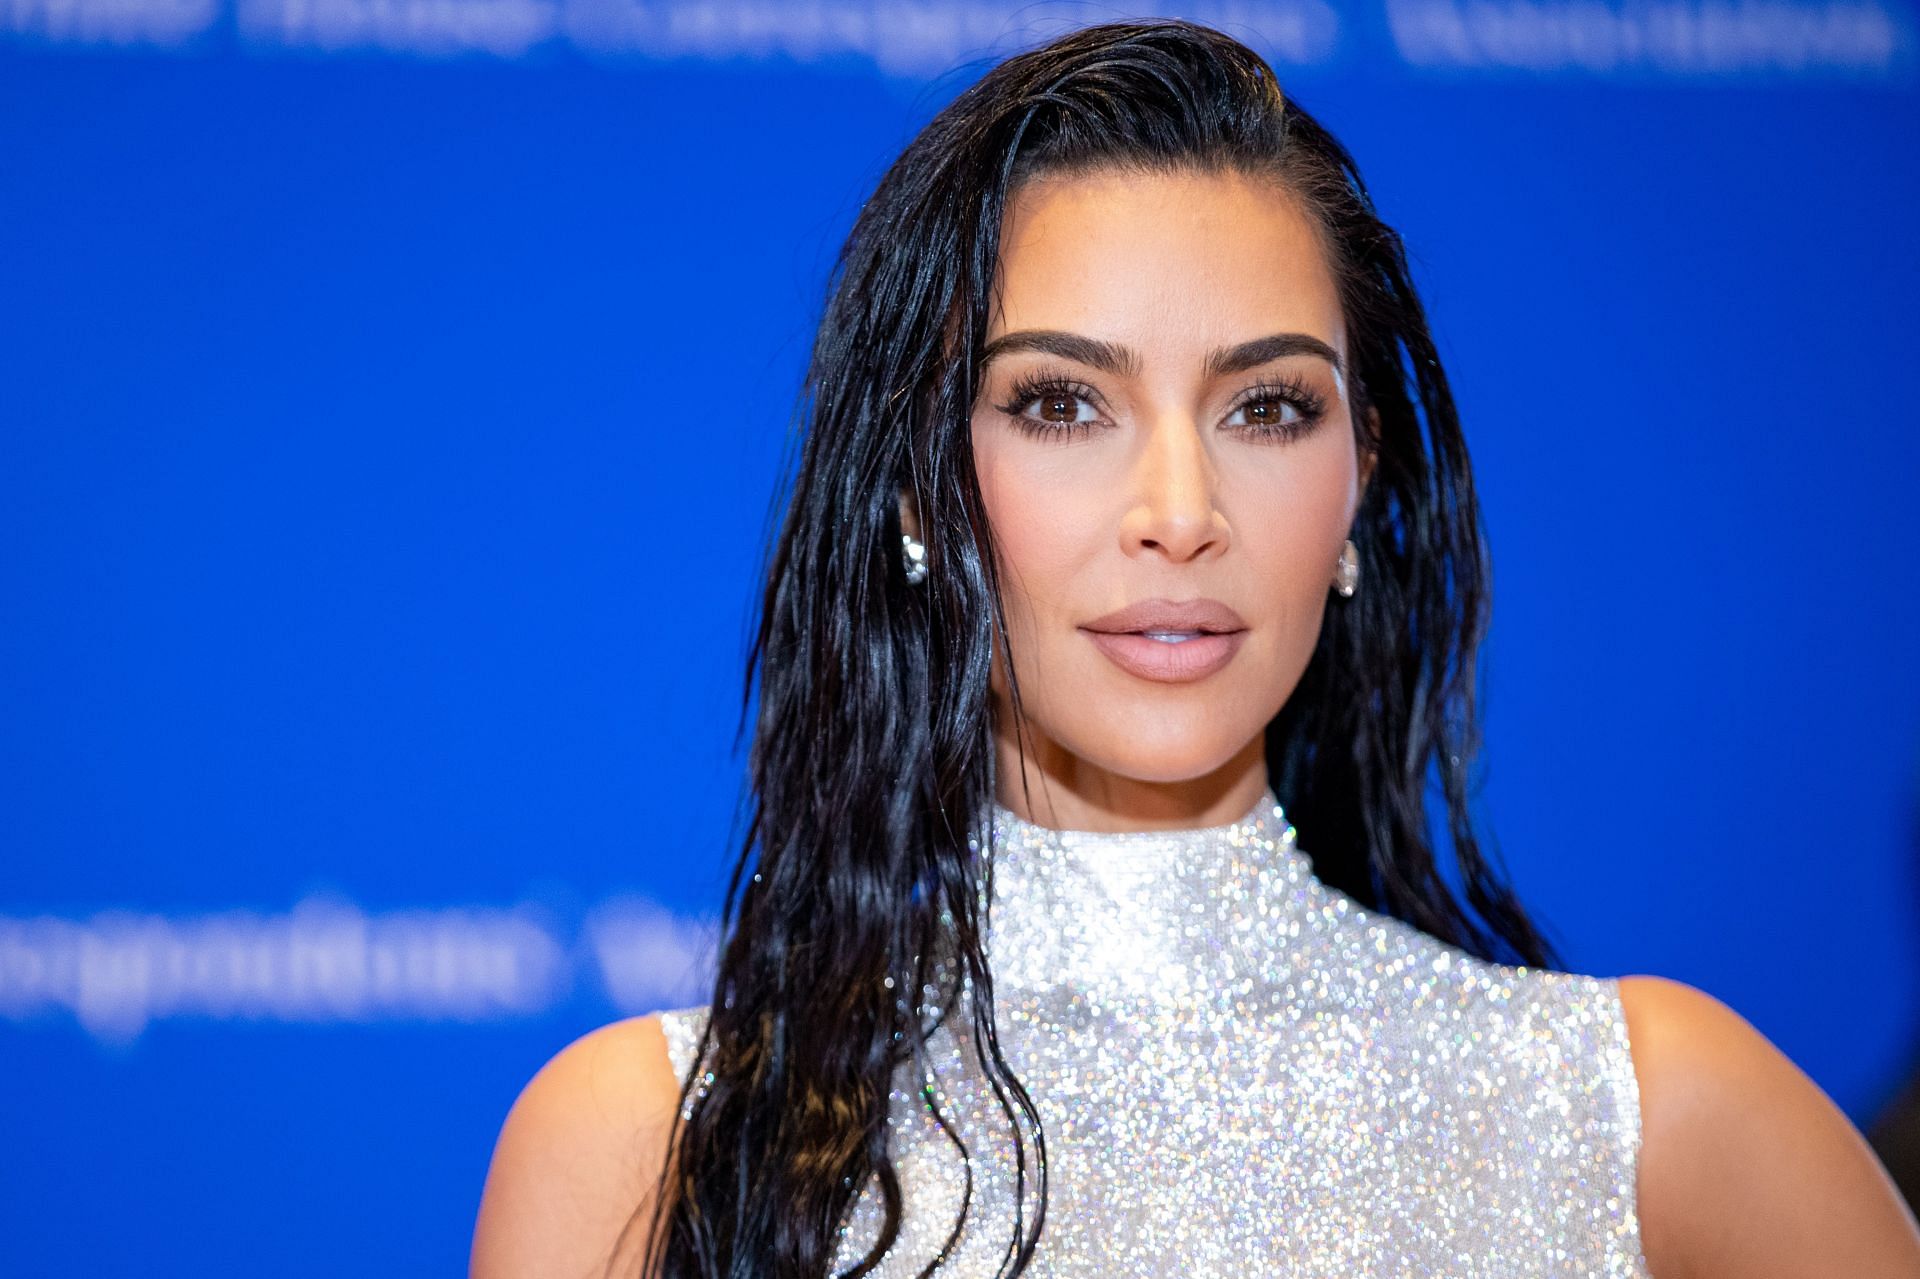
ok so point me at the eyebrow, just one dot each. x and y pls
(1123, 361)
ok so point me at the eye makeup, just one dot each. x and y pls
(1271, 395)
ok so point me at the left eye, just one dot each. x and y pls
(1265, 411)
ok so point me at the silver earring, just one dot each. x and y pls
(1347, 572)
(914, 556)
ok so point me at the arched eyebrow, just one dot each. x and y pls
(1124, 361)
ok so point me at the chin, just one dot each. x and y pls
(1164, 774)
(1164, 757)
(1167, 733)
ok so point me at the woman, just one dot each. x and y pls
(1133, 501)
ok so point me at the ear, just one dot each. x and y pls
(1370, 458)
(910, 516)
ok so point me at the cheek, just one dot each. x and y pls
(1045, 520)
(1289, 531)
(1043, 526)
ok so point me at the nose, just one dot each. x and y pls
(1174, 512)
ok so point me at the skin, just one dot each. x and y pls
(1747, 1170)
(1171, 483)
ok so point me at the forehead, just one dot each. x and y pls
(1173, 264)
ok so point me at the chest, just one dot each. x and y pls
(1295, 1137)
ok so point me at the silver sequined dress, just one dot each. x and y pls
(1240, 1071)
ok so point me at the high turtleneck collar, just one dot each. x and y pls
(1138, 912)
(1265, 820)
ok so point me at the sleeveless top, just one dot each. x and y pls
(1241, 1071)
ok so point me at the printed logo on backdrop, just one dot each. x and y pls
(327, 961)
(1683, 39)
(901, 37)
(1686, 38)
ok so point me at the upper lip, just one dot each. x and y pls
(1208, 616)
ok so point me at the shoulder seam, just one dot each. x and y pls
(1626, 1084)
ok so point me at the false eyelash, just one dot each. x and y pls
(1035, 385)
(1312, 405)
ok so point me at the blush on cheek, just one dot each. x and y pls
(1034, 531)
(1292, 530)
(1054, 511)
(1008, 524)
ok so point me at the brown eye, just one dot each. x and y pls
(1052, 406)
(1267, 411)
(1281, 412)
(1058, 407)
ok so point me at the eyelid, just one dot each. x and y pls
(1296, 391)
(1308, 402)
(1310, 405)
(1030, 386)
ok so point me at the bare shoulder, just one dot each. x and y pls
(579, 1153)
(1746, 1167)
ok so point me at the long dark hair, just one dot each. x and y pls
(871, 759)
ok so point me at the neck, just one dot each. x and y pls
(1143, 913)
(1047, 785)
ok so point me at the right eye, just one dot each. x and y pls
(1044, 406)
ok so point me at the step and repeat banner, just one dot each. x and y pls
(394, 395)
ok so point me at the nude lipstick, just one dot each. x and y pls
(1169, 641)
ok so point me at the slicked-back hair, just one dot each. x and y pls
(871, 759)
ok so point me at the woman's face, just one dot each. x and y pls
(1167, 454)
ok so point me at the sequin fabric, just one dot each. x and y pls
(1241, 1071)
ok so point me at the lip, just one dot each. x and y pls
(1120, 636)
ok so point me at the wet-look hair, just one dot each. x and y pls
(858, 905)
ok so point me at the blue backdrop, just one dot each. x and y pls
(392, 393)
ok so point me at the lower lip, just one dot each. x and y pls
(1169, 663)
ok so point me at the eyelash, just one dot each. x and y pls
(1311, 405)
